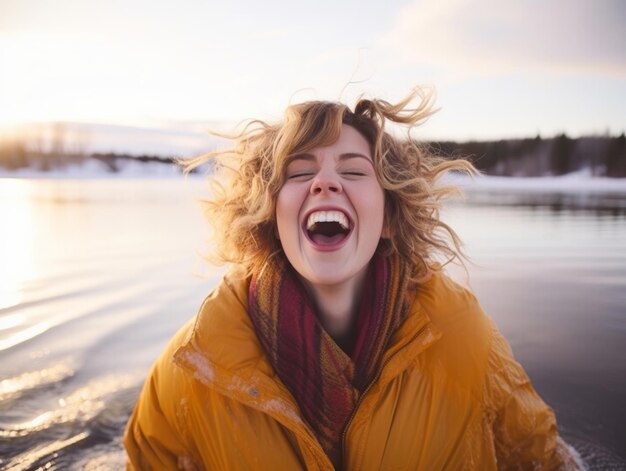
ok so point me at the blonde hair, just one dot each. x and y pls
(242, 208)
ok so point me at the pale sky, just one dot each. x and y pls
(502, 68)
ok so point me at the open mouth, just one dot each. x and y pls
(327, 228)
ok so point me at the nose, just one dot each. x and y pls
(325, 183)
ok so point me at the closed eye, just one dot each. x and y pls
(355, 173)
(299, 175)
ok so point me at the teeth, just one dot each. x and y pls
(327, 216)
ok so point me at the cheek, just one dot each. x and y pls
(375, 201)
(375, 207)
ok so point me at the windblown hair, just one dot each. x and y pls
(242, 207)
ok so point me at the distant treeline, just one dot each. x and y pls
(603, 156)
(113, 161)
(16, 158)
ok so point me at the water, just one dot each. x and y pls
(96, 275)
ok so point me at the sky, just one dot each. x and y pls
(501, 68)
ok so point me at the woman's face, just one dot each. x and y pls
(330, 211)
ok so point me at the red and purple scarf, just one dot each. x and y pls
(324, 380)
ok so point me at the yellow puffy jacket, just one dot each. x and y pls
(450, 396)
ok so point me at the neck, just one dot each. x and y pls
(337, 305)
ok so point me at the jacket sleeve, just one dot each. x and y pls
(524, 427)
(154, 436)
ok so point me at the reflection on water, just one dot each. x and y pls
(25, 382)
(80, 405)
(97, 275)
(605, 202)
(19, 220)
(38, 453)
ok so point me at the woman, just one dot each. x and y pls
(337, 342)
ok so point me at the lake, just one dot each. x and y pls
(97, 274)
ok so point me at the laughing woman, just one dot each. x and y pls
(336, 341)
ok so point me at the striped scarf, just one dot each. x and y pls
(324, 380)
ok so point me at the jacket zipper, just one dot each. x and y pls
(367, 389)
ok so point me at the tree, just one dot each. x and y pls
(560, 155)
(616, 157)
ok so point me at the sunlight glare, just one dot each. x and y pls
(16, 240)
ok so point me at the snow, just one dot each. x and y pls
(93, 168)
(204, 371)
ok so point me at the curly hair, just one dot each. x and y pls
(248, 177)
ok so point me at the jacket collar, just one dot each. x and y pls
(222, 352)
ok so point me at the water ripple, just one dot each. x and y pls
(13, 387)
(27, 460)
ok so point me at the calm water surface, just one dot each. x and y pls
(96, 275)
